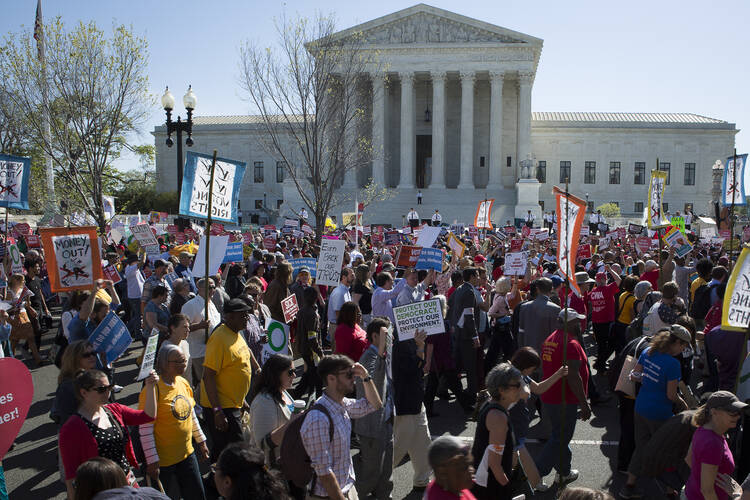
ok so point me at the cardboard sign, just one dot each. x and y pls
(15, 400)
(72, 256)
(290, 308)
(735, 313)
(309, 262)
(269, 242)
(16, 266)
(635, 229)
(330, 261)
(407, 256)
(430, 258)
(33, 241)
(216, 256)
(15, 172)
(427, 236)
(456, 246)
(145, 237)
(149, 355)
(425, 315)
(277, 334)
(516, 244)
(515, 264)
(233, 253)
(643, 244)
(679, 223)
(391, 238)
(110, 273)
(196, 180)
(677, 240)
(180, 238)
(111, 337)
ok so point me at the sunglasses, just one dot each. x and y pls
(91, 354)
(348, 373)
(103, 389)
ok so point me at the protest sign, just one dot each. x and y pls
(407, 256)
(154, 216)
(677, 240)
(72, 256)
(171, 229)
(643, 244)
(603, 242)
(170, 278)
(622, 233)
(515, 264)
(570, 212)
(269, 242)
(149, 355)
(190, 233)
(456, 246)
(308, 262)
(110, 273)
(427, 236)
(635, 229)
(679, 223)
(277, 334)
(430, 258)
(425, 315)
(226, 187)
(391, 238)
(14, 181)
(216, 256)
(16, 266)
(655, 215)
(180, 238)
(525, 231)
(584, 232)
(233, 252)
(217, 228)
(516, 244)
(736, 308)
(111, 337)
(457, 229)
(33, 241)
(22, 228)
(482, 217)
(330, 260)
(108, 206)
(745, 234)
(290, 308)
(584, 252)
(247, 238)
(15, 400)
(509, 230)
(145, 237)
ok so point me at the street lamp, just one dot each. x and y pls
(167, 102)
(587, 201)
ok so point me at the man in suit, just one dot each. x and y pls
(538, 318)
(464, 319)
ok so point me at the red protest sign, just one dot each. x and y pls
(290, 308)
(217, 229)
(22, 228)
(33, 241)
(509, 230)
(269, 242)
(171, 229)
(515, 245)
(15, 400)
(180, 238)
(190, 233)
(643, 244)
(408, 256)
(525, 231)
(584, 252)
(247, 238)
(110, 273)
(622, 233)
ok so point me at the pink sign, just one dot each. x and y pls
(110, 273)
(15, 400)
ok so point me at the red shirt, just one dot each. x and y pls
(652, 277)
(435, 492)
(552, 355)
(497, 273)
(351, 341)
(603, 303)
(579, 304)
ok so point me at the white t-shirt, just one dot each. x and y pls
(135, 280)
(194, 309)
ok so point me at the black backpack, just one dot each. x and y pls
(295, 462)
(701, 302)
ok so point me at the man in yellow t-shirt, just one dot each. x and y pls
(227, 369)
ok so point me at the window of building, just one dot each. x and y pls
(258, 204)
(280, 167)
(258, 172)
(541, 172)
(666, 167)
(541, 203)
(614, 172)
(638, 207)
(690, 174)
(665, 207)
(589, 172)
(564, 172)
(688, 206)
(615, 203)
(640, 173)
(590, 206)
(279, 203)
(509, 161)
(481, 161)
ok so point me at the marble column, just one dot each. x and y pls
(378, 128)
(408, 154)
(438, 130)
(351, 150)
(466, 179)
(524, 118)
(496, 129)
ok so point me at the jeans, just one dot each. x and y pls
(563, 427)
(469, 363)
(375, 468)
(644, 429)
(627, 431)
(134, 324)
(189, 483)
(604, 343)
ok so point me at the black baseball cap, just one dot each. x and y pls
(236, 305)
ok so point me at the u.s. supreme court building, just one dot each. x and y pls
(453, 117)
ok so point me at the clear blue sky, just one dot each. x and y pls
(635, 56)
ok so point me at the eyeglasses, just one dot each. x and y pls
(90, 354)
(291, 372)
(103, 389)
(348, 373)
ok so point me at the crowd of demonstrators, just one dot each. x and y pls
(647, 321)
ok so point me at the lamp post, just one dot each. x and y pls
(587, 201)
(167, 102)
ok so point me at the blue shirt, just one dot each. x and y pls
(652, 401)
(187, 275)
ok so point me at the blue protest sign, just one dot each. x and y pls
(14, 181)
(234, 252)
(226, 189)
(430, 258)
(111, 337)
(170, 278)
(312, 265)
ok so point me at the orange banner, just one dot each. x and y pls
(73, 257)
(570, 213)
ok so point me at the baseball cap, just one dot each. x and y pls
(570, 314)
(601, 276)
(236, 305)
(725, 400)
(444, 448)
(304, 269)
(159, 263)
(479, 259)
(556, 280)
(681, 333)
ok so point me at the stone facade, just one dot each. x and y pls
(452, 116)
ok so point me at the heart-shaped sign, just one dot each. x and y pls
(16, 394)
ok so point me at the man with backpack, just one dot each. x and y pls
(326, 429)
(700, 300)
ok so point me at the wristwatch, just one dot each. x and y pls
(367, 378)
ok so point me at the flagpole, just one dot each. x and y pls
(356, 219)
(208, 246)
(50, 174)
(658, 225)
(565, 331)
(731, 209)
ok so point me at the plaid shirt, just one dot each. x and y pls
(150, 284)
(328, 456)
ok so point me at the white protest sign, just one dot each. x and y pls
(15, 259)
(736, 308)
(425, 315)
(277, 334)
(115, 235)
(145, 237)
(216, 255)
(330, 260)
(427, 236)
(149, 355)
(515, 264)
(603, 242)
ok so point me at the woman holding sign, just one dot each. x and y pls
(18, 297)
(100, 429)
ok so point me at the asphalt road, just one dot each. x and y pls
(31, 467)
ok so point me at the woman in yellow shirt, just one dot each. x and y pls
(168, 441)
(625, 312)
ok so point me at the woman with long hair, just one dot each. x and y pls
(21, 328)
(101, 475)
(351, 339)
(659, 374)
(278, 290)
(79, 355)
(240, 473)
(362, 292)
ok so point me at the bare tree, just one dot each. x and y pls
(94, 90)
(308, 94)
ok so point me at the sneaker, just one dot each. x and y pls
(629, 491)
(572, 476)
(541, 487)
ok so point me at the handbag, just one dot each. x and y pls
(624, 384)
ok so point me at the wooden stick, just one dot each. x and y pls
(208, 241)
